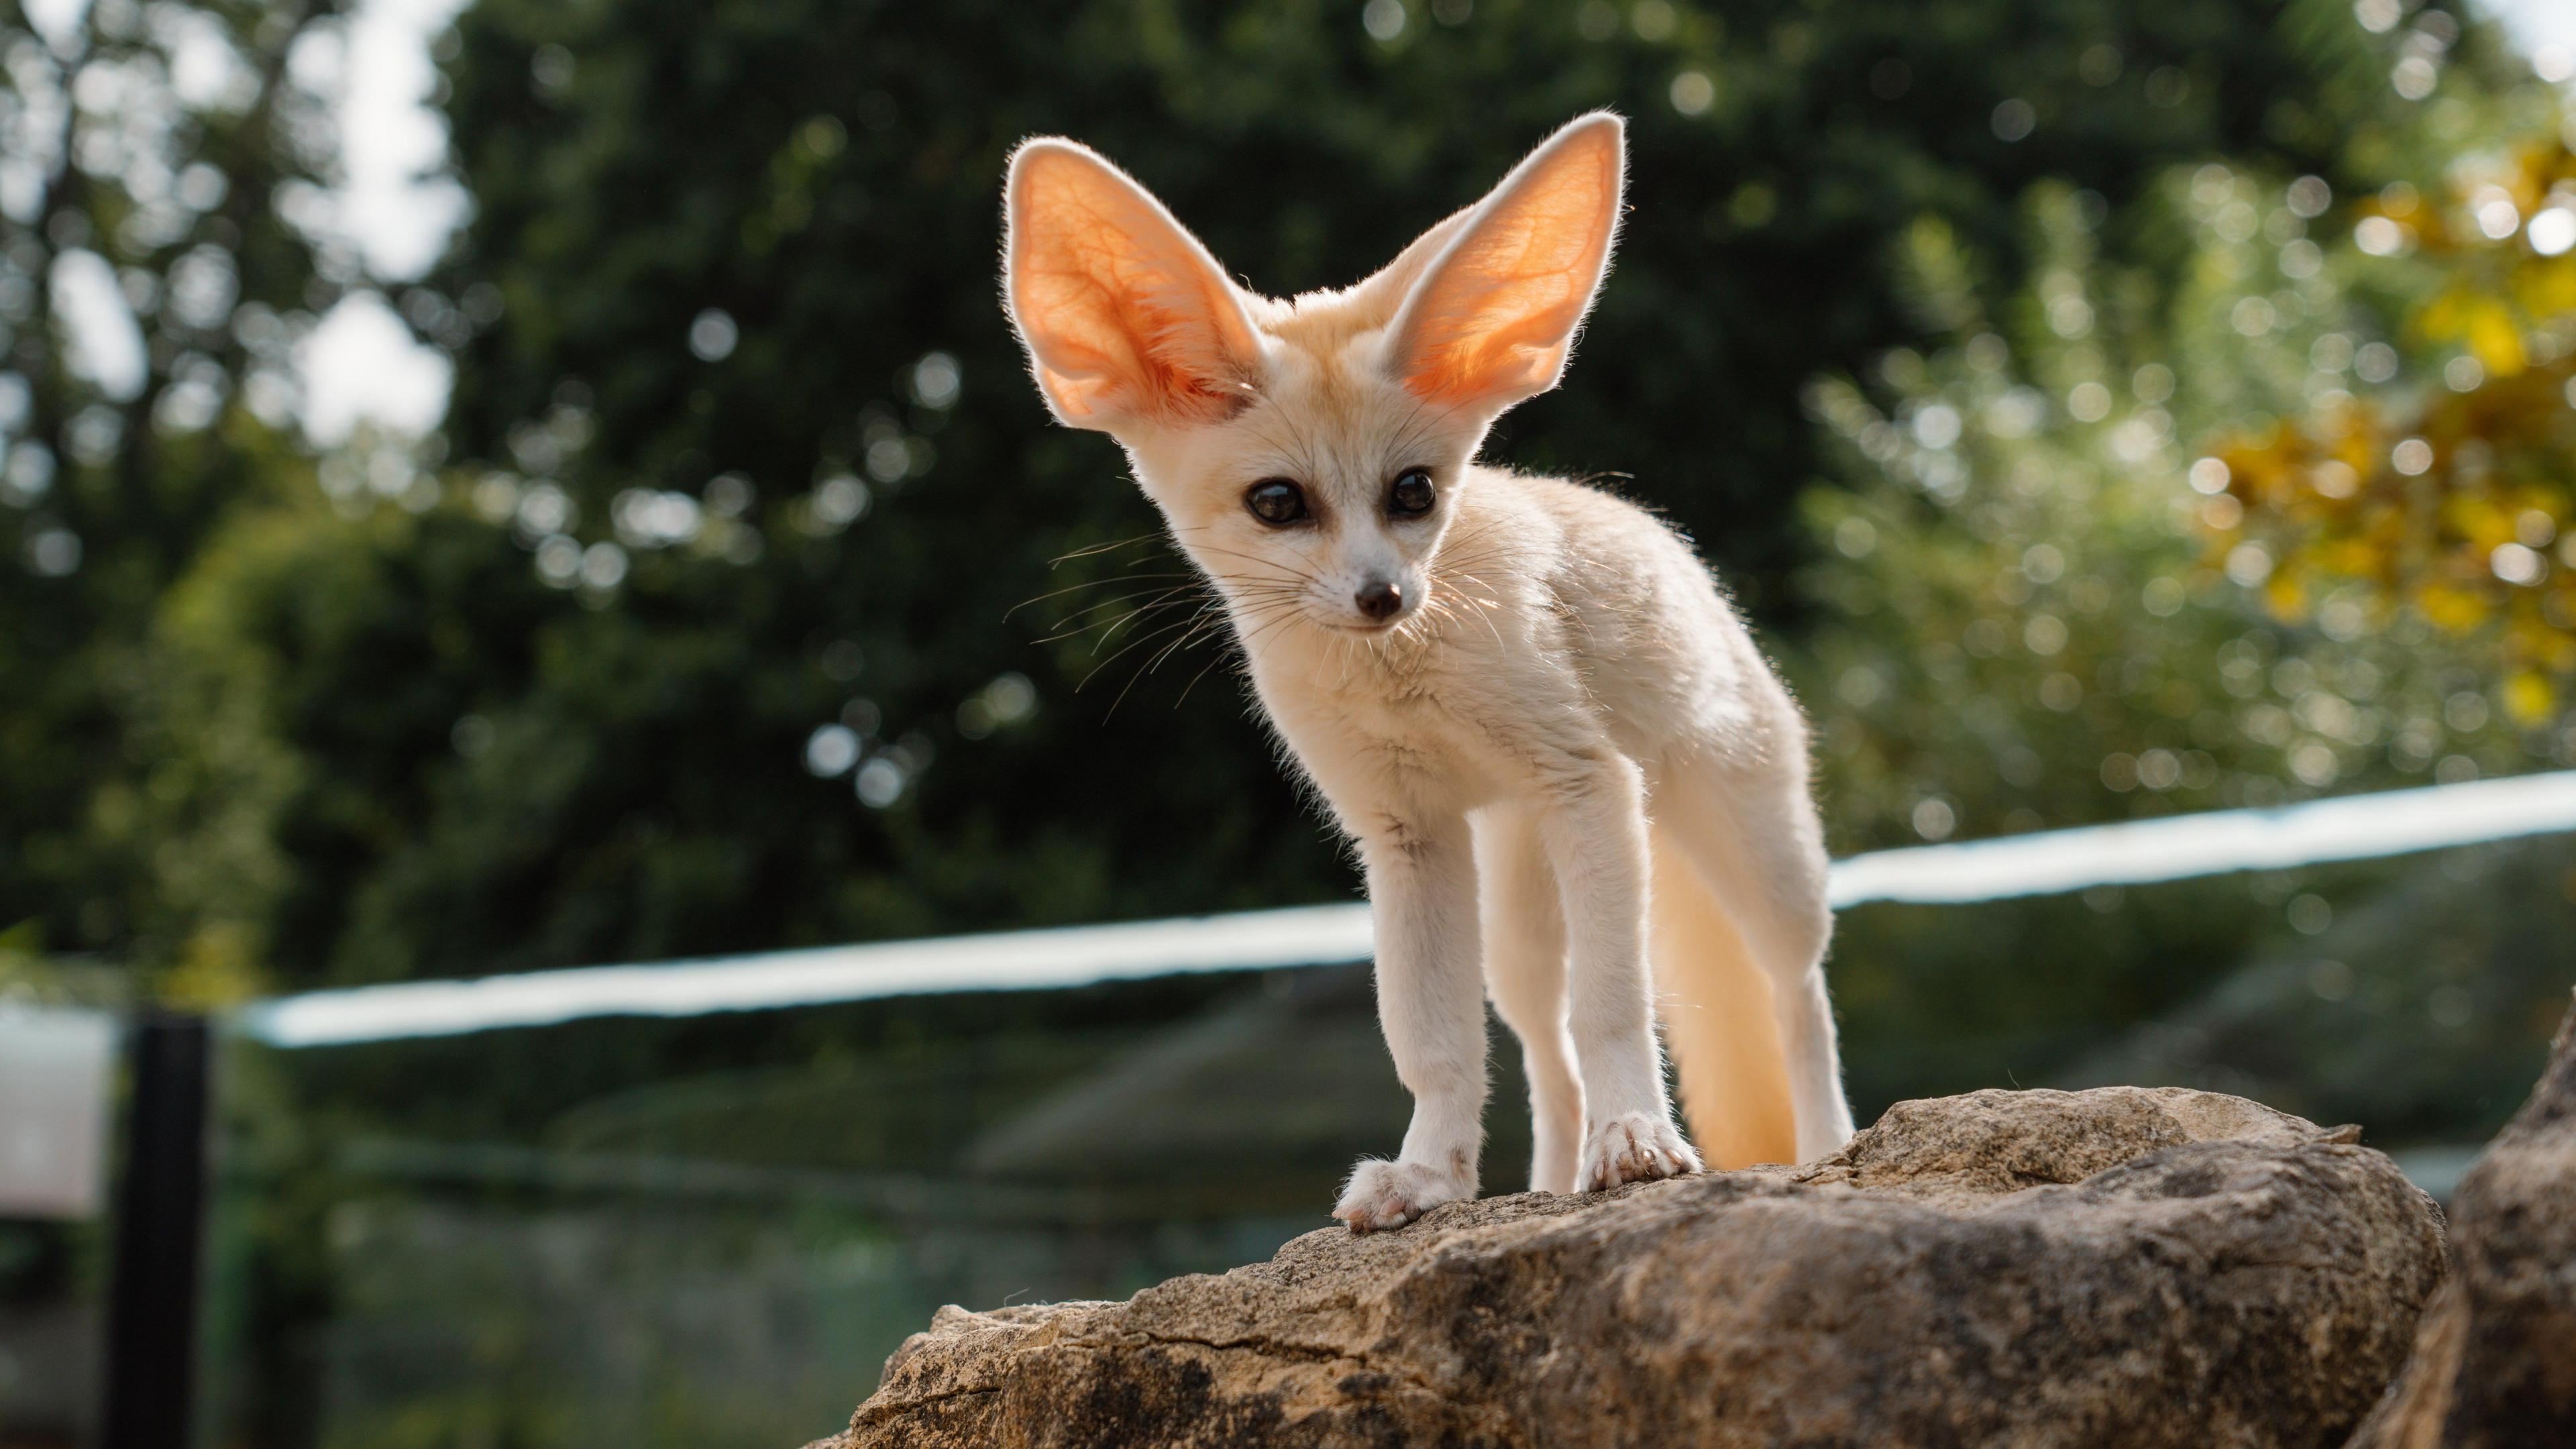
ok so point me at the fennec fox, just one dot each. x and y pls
(1524, 700)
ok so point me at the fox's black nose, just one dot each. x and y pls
(1378, 600)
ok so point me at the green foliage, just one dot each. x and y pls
(2028, 611)
(2035, 604)
(735, 403)
(112, 476)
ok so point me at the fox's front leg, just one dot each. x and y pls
(1594, 827)
(1431, 1002)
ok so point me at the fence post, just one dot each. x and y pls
(152, 1297)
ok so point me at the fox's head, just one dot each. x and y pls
(1308, 454)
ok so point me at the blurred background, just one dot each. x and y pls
(506, 486)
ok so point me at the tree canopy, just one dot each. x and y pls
(746, 597)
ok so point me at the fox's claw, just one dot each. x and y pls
(1634, 1147)
(1384, 1195)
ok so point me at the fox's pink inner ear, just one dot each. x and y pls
(1492, 319)
(1126, 317)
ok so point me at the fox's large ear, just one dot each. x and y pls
(1125, 316)
(1492, 318)
(1385, 290)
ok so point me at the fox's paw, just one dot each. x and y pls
(1382, 1195)
(1634, 1147)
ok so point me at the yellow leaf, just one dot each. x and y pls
(2287, 596)
(2445, 317)
(2351, 557)
(2494, 339)
(2528, 698)
(2457, 610)
(2478, 518)
(2548, 288)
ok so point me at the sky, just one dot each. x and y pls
(2539, 24)
(362, 363)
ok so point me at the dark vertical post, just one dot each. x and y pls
(152, 1297)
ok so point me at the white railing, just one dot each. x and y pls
(2352, 827)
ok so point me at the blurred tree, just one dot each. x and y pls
(2027, 617)
(745, 479)
(2041, 598)
(2443, 476)
(2038, 610)
(150, 294)
(740, 479)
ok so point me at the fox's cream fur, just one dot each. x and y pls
(1524, 700)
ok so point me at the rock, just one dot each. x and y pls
(2106, 1268)
(2495, 1355)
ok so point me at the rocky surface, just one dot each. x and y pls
(2495, 1355)
(2106, 1268)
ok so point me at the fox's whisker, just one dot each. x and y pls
(1156, 594)
(1097, 549)
(1092, 584)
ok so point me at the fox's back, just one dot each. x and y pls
(1650, 634)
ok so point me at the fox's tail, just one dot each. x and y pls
(1718, 1023)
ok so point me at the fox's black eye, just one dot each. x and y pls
(1276, 501)
(1412, 495)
